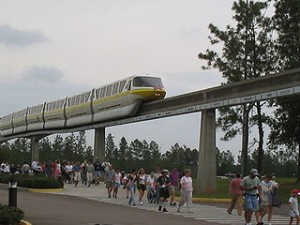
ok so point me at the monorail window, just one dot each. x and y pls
(128, 85)
(108, 90)
(77, 100)
(87, 95)
(81, 98)
(62, 103)
(103, 90)
(98, 93)
(147, 82)
(122, 84)
(115, 89)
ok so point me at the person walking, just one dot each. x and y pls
(98, 170)
(141, 179)
(77, 173)
(186, 191)
(90, 171)
(131, 186)
(268, 187)
(157, 174)
(251, 186)
(109, 179)
(117, 182)
(174, 177)
(163, 183)
(236, 195)
(294, 210)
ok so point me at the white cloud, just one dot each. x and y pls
(14, 37)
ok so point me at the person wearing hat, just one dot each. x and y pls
(294, 211)
(163, 183)
(251, 187)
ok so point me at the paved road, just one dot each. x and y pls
(90, 205)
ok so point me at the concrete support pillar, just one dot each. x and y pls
(35, 148)
(99, 144)
(207, 168)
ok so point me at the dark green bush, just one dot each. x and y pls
(31, 181)
(10, 215)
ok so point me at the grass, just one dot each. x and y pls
(286, 185)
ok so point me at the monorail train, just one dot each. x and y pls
(116, 100)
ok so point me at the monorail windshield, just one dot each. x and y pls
(147, 82)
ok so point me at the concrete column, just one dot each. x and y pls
(207, 168)
(35, 148)
(99, 144)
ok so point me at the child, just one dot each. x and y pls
(294, 211)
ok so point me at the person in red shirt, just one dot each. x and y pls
(236, 195)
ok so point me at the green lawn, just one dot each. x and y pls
(285, 187)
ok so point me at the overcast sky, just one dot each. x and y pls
(52, 49)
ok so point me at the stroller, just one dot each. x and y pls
(151, 195)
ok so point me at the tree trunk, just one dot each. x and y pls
(245, 140)
(260, 150)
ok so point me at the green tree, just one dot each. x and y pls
(20, 151)
(137, 147)
(69, 151)
(155, 155)
(46, 149)
(123, 149)
(286, 124)
(247, 53)
(57, 146)
(80, 144)
(225, 162)
(5, 153)
(109, 147)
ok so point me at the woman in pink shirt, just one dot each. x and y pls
(236, 195)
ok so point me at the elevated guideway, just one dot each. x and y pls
(263, 88)
(283, 84)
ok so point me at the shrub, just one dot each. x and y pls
(31, 181)
(10, 215)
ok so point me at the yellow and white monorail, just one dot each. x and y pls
(116, 100)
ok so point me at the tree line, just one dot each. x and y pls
(141, 154)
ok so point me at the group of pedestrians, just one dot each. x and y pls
(160, 187)
(255, 194)
(258, 195)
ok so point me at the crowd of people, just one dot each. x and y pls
(252, 194)
(160, 185)
(258, 195)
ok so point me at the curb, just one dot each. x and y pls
(220, 200)
(47, 190)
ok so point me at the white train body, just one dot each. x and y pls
(19, 122)
(54, 114)
(116, 100)
(35, 117)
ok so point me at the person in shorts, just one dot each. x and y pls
(117, 182)
(109, 179)
(252, 189)
(174, 176)
(163, 183)
(294, 210)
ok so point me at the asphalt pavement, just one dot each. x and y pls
(91, 205)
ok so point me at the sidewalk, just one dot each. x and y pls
(204, 209)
